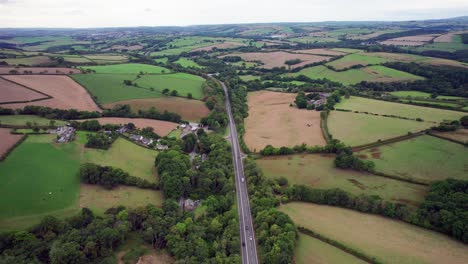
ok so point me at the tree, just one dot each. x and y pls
(189, 96)
(190, 141)
(301, 100)
(174, 93)
(464, 121)
(66, 253)
(165, 91)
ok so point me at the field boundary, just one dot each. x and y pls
(88, 92)
(9, 150)
(29, 88)
(358, 254)
(448, 139)
(387, 141)
(324, 126)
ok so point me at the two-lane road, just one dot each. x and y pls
(248, 244)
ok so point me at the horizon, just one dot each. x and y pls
(86, 14)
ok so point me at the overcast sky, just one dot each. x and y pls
(115, 13)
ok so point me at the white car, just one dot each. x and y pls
(242, 179)
(250, 238)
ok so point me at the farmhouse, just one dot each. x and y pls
(64, 134)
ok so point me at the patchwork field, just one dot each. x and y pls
(188, 63)
(37, 70)
(192, 110)
(22, 120)
(381, 107)
(319, 171)
(183, 83)
(160, 127)
(356, 59)
(411, 41)
(272, 121)
(431, 159)
(358, 129)
(128, 68)
(310, 250)
(8, 141)
(417, 58)
(225, 45)
(11, 92)
(29, 61)
(390, 241)
(325, 52)
(277, 58)
(66, 93)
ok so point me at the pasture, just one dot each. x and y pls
(272, 121)
(66, 93)
(431, 159)
(188, 63)
(128, 68)
(356, 59)
(310, 250)
(390, 241)
(358, 129)
(29, 61)
(22, 120)
(160, 127)
(388, 108)
(192, 110)
(278, 58)
(319, 171)
(183, 83)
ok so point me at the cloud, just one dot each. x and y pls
(148, 9)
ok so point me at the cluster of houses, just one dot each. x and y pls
(64, 133)
(320, 101)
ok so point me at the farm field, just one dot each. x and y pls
(128, 68)
(160, 127)
(353, 76)
(272, 121)
(388, 240)
(431, 158)
(38, 70)
(325, 52)
(225, 45)
(187, 63)
(417, 58)
(310, 250)
(410, 41)
(29, 61)
(11, 92)
(192, 110)
(358, 129)
(319, 171)
(21, 120)
(356, 59)
(460, 135)
(388, 108)
(440, 103)
(66, 93)
(137, 161)
(415, 94)
(314, 39)
(247, 78)
(183, 83)
(99, 199)
(8, 141)
(278, 58)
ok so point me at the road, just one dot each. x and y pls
(248, 244)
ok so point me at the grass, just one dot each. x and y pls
(319, 171)
(21, 120)
(183, 83)
(388, 240)
(431, 158)
(312, 250)
(127, 68)
(188, 63)
(358, 129)
(415, 94)
(246, 78)
(38, 177)
(136, 160)
(453, 105)
(29, 61)
(312, 39)
(411, 111)
(356, 59)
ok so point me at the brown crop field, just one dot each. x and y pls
(272, 121)
(449, 37)
(192, 110)
(161, 128)
(7, 141)
(417, 58)
(277, 58)
(324, 52)
(460, 135)
(38, 70)
(409, 41)
(390, 241)
(225, 45)
(12, 92)
(66, 93)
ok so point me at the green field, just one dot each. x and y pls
(357, 59)
(358, 129)
(188, 63)
(126, 155)
(319, 171)
(431, 159)
(29, 61)
(312, 39)
(21, 120)
(128, 68)
(411, 111)
(246, 78)
(389, 241)
(411, 94)
(353, 76)
(312, 250)
(183, 83)
(440, 103)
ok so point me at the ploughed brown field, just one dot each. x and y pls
(419, 59)
(192, 110)
(162, 128)
(325, 52)
(12, 92)
(65, 93)
(448, 37)
(409, 41)
(277, 58)
(225, 45)
(38, 70)
(460, 135)
(273, 122)
(7, 140)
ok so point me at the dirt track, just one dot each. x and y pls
(272, 121)
(66, 93)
